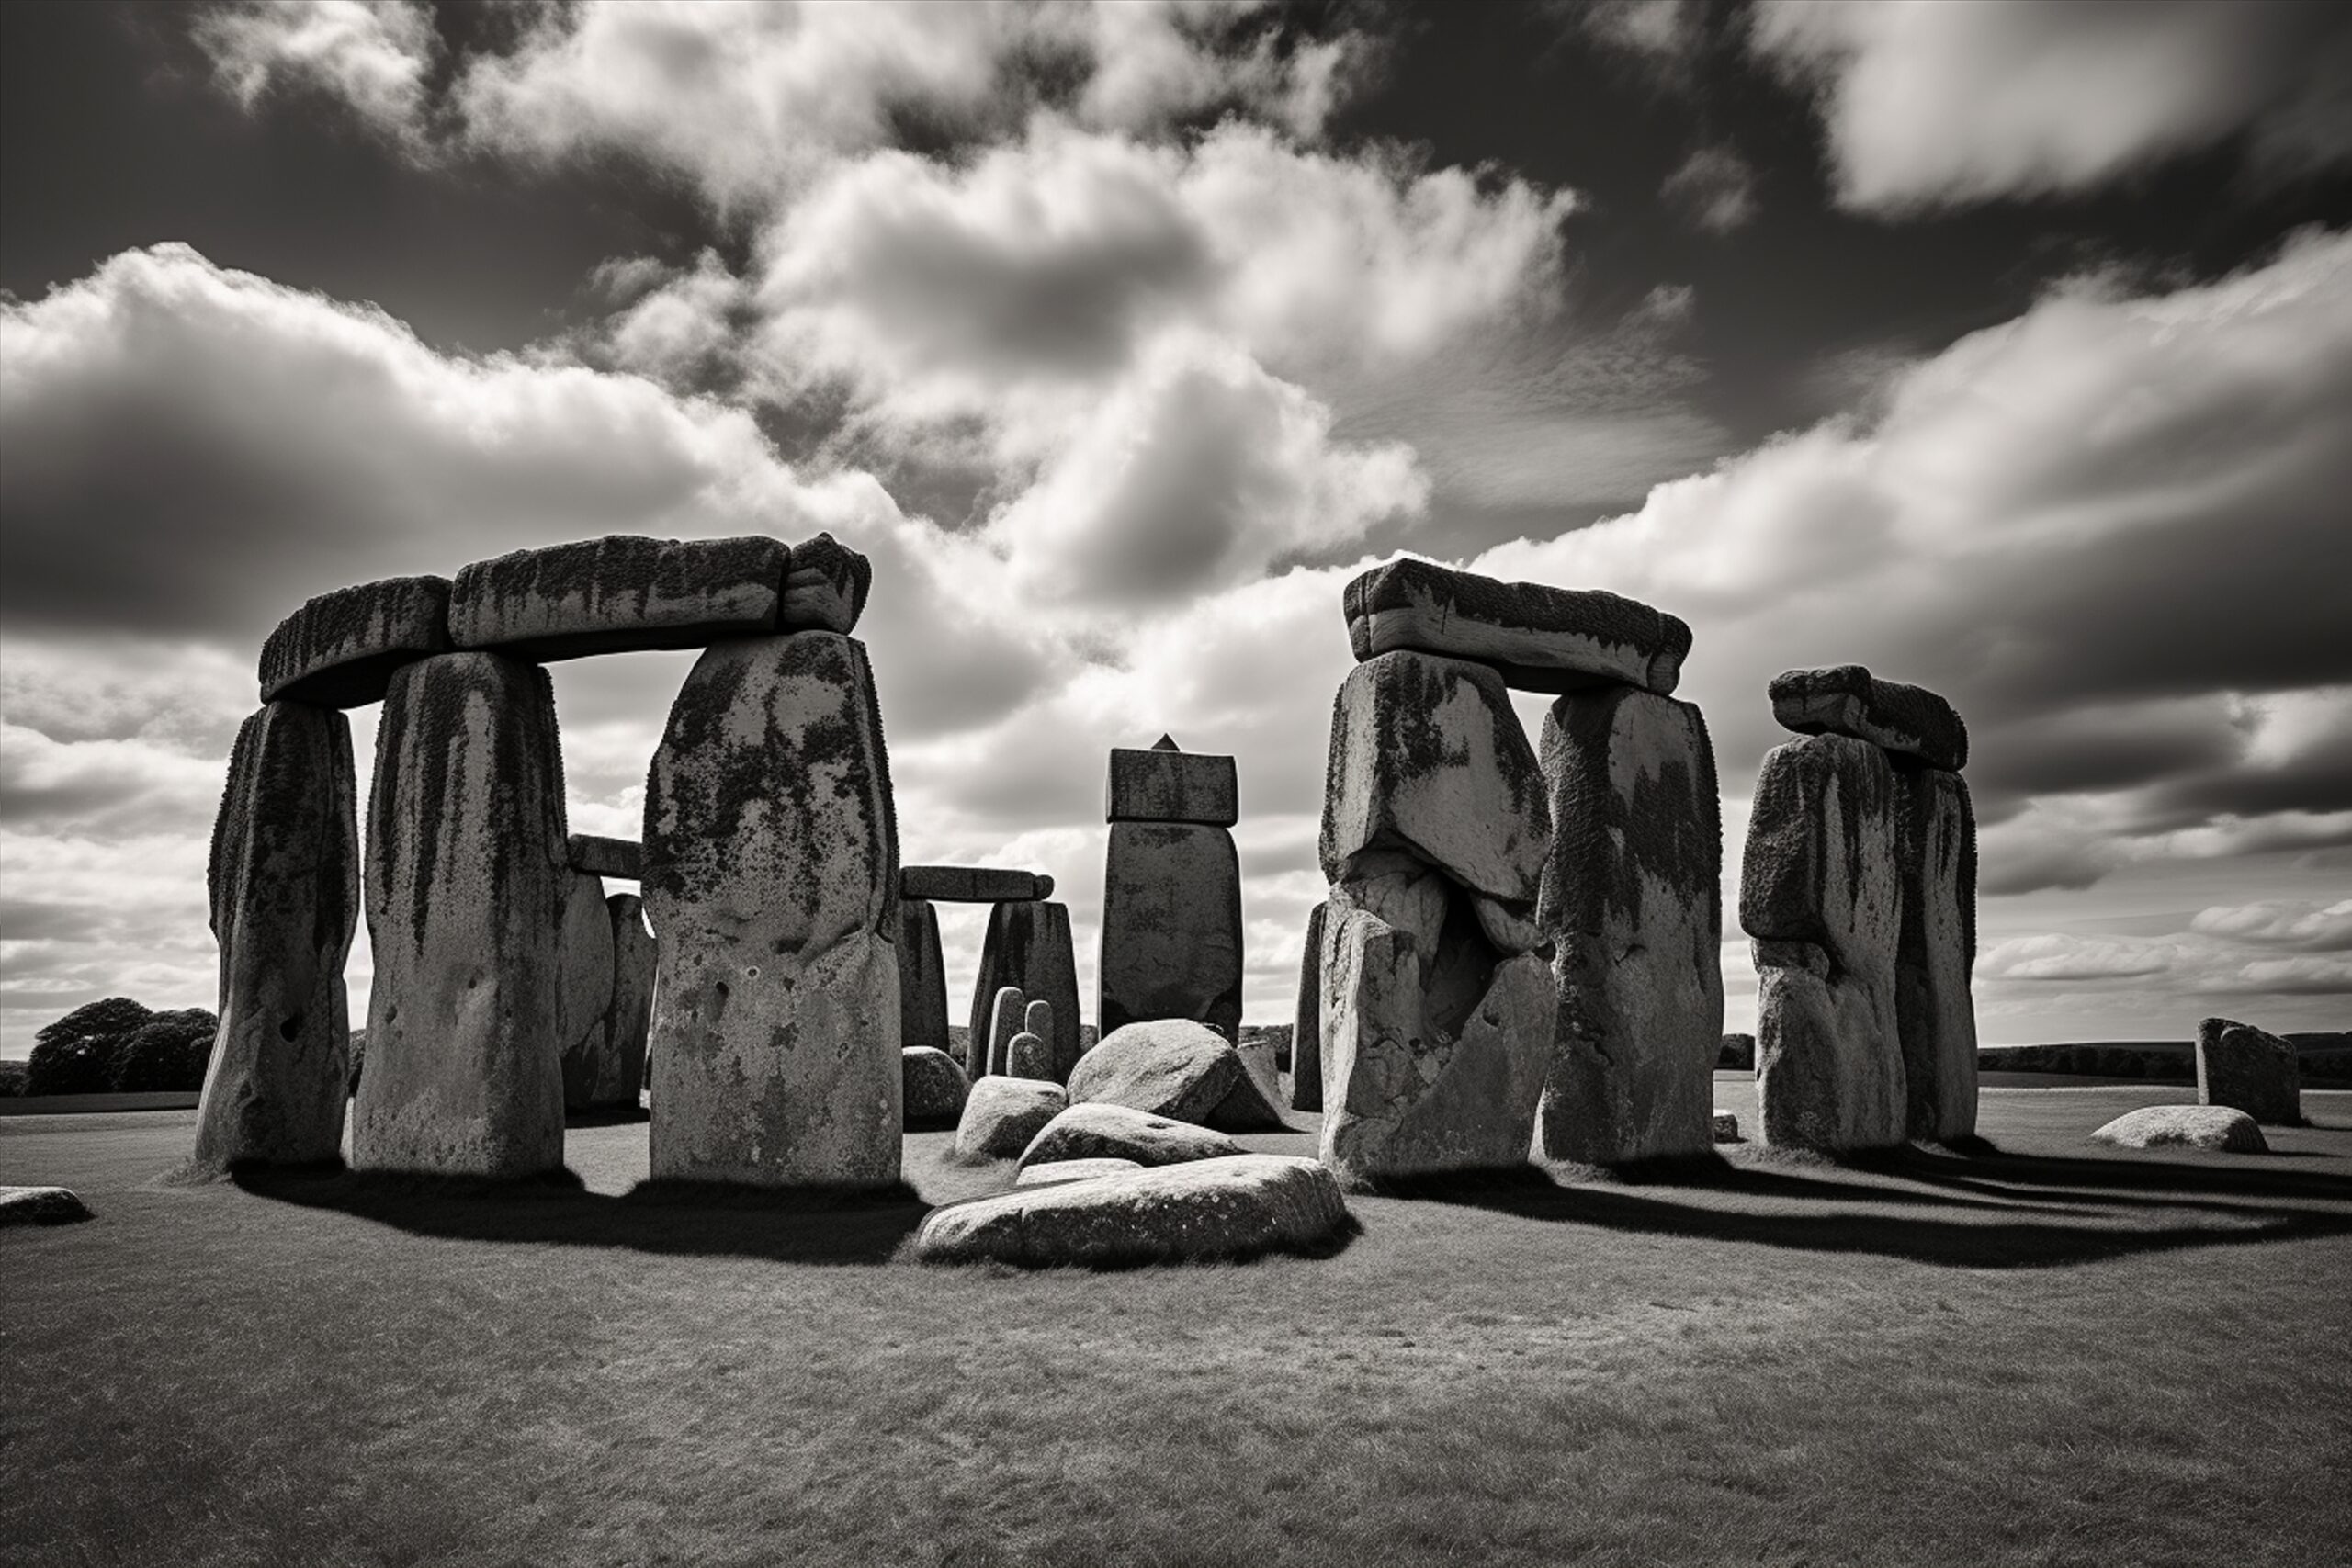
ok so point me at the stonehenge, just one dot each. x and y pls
(1029, 947)
(1172, 893)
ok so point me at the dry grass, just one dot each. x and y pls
(2044, 1356)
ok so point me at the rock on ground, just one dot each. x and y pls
(1726, 1127)
(584, 992)
(772, 879)
(922, 977)
(1307, 1019)
(1935, 1011)
(1164, 785)
(467, 874)
(284, 882)
(1053, 1172)
(1172, 1068)
(618, 593)
(1633, 904)
(2218, 1127)
(1028, 945)
(1236, 1207)
(1846, 699)
(1171, 926)
(41, 1206)
(2240, 1065)
(1539, 637)
(339, 649)
(1097, 1131)
(933, 1088)
(1001, 1115)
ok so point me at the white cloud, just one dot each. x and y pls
(1930, 104)
(2281, 922)
(373, 54)
(1713, 189)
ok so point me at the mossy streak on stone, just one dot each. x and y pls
(617, 593)
(340, 649)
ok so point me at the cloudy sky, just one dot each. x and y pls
(2004, 347)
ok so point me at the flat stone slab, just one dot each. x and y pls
(932, 1087)
(2250, 1069)
(1094, 1130)
(619, 593)
(1171, 1068)
(41, 1206)
(339, 649)
(2216, 1127)
(1539, 637)
(1004, 1113)
(1236, 1207)
(1164, 784)
(971, 885)
(1847, 699)
(1052, 1171)
(600, 856)
(825, 589)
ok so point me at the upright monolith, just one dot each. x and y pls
(1307, 1019)
(586, 994)
(922, 978)
(1172, 893)
(636, 957)
(1028, 947)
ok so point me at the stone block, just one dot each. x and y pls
(619, 593)
(1028, 1055)
(972, 884)
(1171, 927)
(932, 1087)
(1935, 1013)
(1028, 946)
(584, 992)
(2249, 1070)
(1307, 1016)
(825, 589)
(1173, 1067)
(1232, 1208)
(922, 978)
(1538, 637)
(1846, 699)
(637, 958)
(1003, 1021)
(2219, 1128)
(339, 649)
(1053, 1172)
(1002, 1113)
(601, 856)
(1164, 785)
(1103, 1130)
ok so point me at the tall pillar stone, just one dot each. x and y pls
(1028, 946)
(585, 991)
(1821, 894)
(284, 880)
(1935, 1013)
(636, 955)
(1005, 1013)
(771, 880)
(922, 978)
(1631, 905)
(1307, 1019)
(1171, 892)
(467, 877)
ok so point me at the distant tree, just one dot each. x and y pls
(168, 1053)
(79, 1053)
(12, 1079)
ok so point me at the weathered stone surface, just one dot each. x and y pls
(825, 589)
(1435, 1045)
(1726, 1127)
(1053, 1172)
(972, 884)
(1263, 1100)
(1028, 945)
(1306, 1015)
(2222, 1128)
(584, 991)
(41, 1206)
(1935, 1013)
(922, 978)
(467, 874)
(1234, 1207)
(1428, 757)
(1164, 785)
(339, 649)
(933, 1088)
(628, 1023)
(1633, 906)
(772, 878)
(620, 592)
(1001, 1115)
(1099, 1131)
(1821, 893)
(1003, 1021)
(1028, 1055)
(1846, 699)
(1171, 927)
(1037, 1017)
(601, 856)
(1737, 1054)
(1541, 638)
(1173, 1067)
(284, 880)
(2241, 1066)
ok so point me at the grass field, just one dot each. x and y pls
(2047, 1355)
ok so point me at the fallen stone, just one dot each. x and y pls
(1072, 1171)
(600, 856)
(1257, 1100)
(618, 593)
(628, 1025)
(922, 978)
(1307, 1016)
(284, 882)
(1164, 785)
(826, 588)
(1003, 1023)
(1094, 1130)
(466, 879)
(1001, 1115)
(772, 879)
(1539, 637)
(1726, 1127)
(2222, 1128)
(1846, 699)
(41, 1206)
(584, 991)
(933, 1088)
(1029, 1056)
(1028, 945)
(1236, 1207)
(1171, 927)
(339, 649)
(1632, 905)
(1173, 1067)
(1821, 894)
(2243, 1067)
(1935, 1013)
(972, 884)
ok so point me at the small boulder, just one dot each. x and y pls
(1234, 1207)
(1050, 1172)
(1001, 1115)
(1119, 1132)
(1726, 1127)
(1171, 1067)
(934, 1086)
(41, 1206)
(2216, 1127)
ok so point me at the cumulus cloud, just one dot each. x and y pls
(2282, 922)
(1928, 104)
(374, 55)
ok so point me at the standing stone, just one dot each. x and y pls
(636, 957)
(922, 978)
(284, 879)
(1037, 1019)
(1934, 1012)
(1028, 1056)
(1632, 902)
(1820, 895)
(1028, 945)
(584, 996)
(1004, 1023)
(1307, 1019)
(466, 875)
(2244, 1068)
(1171, 927)
(771, 880)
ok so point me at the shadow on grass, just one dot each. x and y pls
(826, 1226)
(2026, 1232)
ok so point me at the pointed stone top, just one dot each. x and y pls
(1166, 743)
